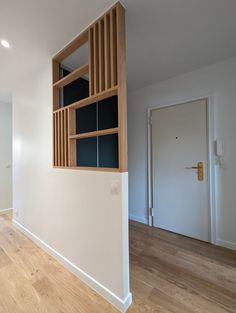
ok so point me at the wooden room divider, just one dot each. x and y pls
(89, 102)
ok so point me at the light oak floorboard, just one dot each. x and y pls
(31, 281)
(171, 273)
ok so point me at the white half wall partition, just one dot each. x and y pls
(217, 81)
(5, 157)
(74, 215)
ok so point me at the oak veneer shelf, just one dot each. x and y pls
(103, 132)
(106, 89)
(98, 97)
(72, 76)
(76, 43)
(87, 168)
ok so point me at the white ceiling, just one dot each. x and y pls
(165, 38)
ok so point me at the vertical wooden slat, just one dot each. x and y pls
(107, 51)
(91, 62)
(56, 98)
(68, 139)
(55, 78)
(122, 92)
(53, 139)
(65, 136)
(73, 152)
(96, 59)
(72, 142)
(113, 35)
(58, 139)
(62, 139)
(55, 71)
(101, 56)
(63, 131)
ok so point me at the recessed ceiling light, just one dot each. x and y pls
(5, 43)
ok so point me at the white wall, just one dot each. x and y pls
(5, 156)
(74, 212)
(219, 81)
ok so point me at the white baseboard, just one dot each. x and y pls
(138, 219)
(226, 244)
(121, 305)
(5, 211)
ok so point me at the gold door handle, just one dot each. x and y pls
(199, 169)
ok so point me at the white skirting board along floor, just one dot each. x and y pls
(219, 242)
(121, 305)
(226, 244)
(138, 219)
(5, 211)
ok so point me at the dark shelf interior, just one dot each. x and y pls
(75, 91)
(86, 151)
(99, 151)
(108, 113)
(108, 151)
(86, 119)
(97, 116)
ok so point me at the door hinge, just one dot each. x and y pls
(151, 212)
(150, 120)
(150, 217)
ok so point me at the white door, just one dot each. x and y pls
(179, 142)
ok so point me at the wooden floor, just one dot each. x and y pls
(33, 282)
(169, 274)
(175, 274)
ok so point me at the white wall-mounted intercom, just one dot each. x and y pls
(219, 152)
(219, 148)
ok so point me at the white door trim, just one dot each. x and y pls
(211, 162)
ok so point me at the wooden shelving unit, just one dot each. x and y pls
(95, 133)
(71, 77)
(107, 79)
(98, 97)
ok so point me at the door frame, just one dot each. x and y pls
(210, 157)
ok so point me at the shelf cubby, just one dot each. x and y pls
(108, 156)
(86, 152)
(71, 76)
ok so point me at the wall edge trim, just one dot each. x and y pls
(226, 244)
(108, 295)
(5, 211)
(138, 219)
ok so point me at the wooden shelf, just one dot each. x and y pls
(72, 76)
(72, 46)
(84, 168)
(98, 97)
(96, 133)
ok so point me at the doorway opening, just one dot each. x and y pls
(5, 158)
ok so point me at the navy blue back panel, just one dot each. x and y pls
(108, 151)
(86, 119)
(75, 91)
(108, 113)
(86, 149)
